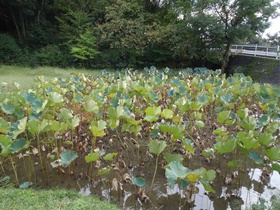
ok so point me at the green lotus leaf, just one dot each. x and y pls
(35, 126)
(138, 181)
(233, 163)
(209, 152)
(103, 171)
(67, 157)
(92, 157)
(74, 122)
(256, 157)
(136, 128)
(276, 167)
(96, 131)
(18, 128)
(188, 145)
(110, 156)
(156, 147)
(25, 185)
(226, 98)
(223, 116)
(18, 145)
(167, 113)
(173, 157)
(101, 124)
(202, 99)
(195, 105)
(263, 120)
(265, 139)
(90, 106)
(225, 147)
(192, 177)
(207, 187)
(176, 171)
(65, 114)
(56, 97)
(209, 175)
(152, 114)
(4, 126)
(8, 108)
(30, 97)
(5, 142)
(273, 154)
(199, 123)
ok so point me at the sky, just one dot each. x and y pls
(275, 23)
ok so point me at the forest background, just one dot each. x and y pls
(130, 33)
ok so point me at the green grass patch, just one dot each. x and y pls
(28, 199)
(25, 76)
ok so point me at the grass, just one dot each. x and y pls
(29, 199)
(25, 75)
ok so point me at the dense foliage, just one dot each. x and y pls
(122, 33)
(112, 125)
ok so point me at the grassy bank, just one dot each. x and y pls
(13, 199)
(25, 76)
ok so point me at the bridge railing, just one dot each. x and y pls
(257, 50)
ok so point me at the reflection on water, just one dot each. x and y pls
(228, 197)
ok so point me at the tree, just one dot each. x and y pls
(19, 14)
(124, 31)
(76, 29)
(241, 19)
(197, 35)
(273, 39)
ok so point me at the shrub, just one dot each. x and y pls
(9, 49)
(51, 55)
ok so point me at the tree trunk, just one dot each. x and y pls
(226, 57)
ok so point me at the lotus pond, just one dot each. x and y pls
(145, 139)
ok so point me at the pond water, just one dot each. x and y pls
(245, 188)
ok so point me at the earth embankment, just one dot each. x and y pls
(261, 70)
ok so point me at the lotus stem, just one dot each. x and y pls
(154, 173)
(2, 167)
(40, 156)
(14, 168)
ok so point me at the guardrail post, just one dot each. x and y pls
(256, 48)
(266, 50)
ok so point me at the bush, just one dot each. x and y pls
(9, 49)
(51, 55)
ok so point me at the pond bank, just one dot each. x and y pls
(17, 199)
(261, 70)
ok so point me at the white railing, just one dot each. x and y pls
(257, 50)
